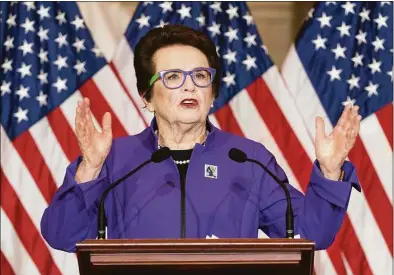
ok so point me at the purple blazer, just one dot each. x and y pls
(223, 198)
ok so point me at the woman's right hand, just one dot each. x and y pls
(94, 145)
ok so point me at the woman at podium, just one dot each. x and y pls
(199, 191)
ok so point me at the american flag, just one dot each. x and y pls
(344, 55)
(254, 103)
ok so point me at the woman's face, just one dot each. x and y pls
(189, 103)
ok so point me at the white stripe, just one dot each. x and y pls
(50, 149)
(118, 100)
(214, 121)
(14, 250)
(69, 107)
(300, 87)
(123, 61)
(289, 109)
(258, 130)
(31, 198)
(364, 224)
(379, 151)
(347, 266)
(323, 264)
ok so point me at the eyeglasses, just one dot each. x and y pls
(173, 79)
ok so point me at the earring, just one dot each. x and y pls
(212, 104)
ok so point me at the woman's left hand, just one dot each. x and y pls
(332, 150)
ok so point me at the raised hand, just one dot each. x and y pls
(332, 150)
(93, 144)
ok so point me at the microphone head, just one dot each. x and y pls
(160, 155)
(237, 155)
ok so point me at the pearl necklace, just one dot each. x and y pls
(181, 162)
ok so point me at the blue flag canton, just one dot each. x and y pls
(230, 26)
(47, 53)
(347, 51)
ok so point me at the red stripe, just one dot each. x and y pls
(5, 268)
(24, 227)
(35, 163)
(99, 106)
(64, 134)
(346, 240)
(288, 143)
(227, 121)
(281, 130)
(373, 191)
(385, 117)
(127, 92)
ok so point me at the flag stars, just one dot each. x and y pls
(61, 62)
(43, 77)
(11, 20)
(229, 79)
(184, 12)
(381, 21)
(231, 34)
(23, 92)
(43, 12)
(162, 24)
(319, 42)
(353, 82)
(42, 99)
(24, 70)
(361, 37)
(43, 34)
(61, 17)
(390, 74)
(60, 84)
(348, 7)
(166, 6)
(232, 11)
(216, 7)
(97, 52)
(349, 101)
(339, 51)
(26, 48)
(372, 89)
(248, 18)
(28, 26)
(79, 45)
(61, 40)
(43, 55)
(378, 44)
(230, 57)
(78, 23)
(357, 60)
(365, 15)
(5, 88)
(214, 29)
(334, 73)
(80, 67)
(7, 65)
(201, 20)
(249, 62)
(375, 66)
(250, 40)
(21, 115)
(324, 20)
(344, 29)
(143, 21)
(30, 5)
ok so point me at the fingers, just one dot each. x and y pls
(107, 123)
(320, 131)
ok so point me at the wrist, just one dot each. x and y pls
(331, 174)
(86, 172)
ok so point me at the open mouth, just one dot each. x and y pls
(189, 103)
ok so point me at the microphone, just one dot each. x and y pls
(240, 156)
(156, 157)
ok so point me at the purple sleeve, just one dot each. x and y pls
(318, 215)
(71, 217)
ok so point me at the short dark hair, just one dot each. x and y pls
(169, 35)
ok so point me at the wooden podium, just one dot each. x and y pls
(196, 256)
